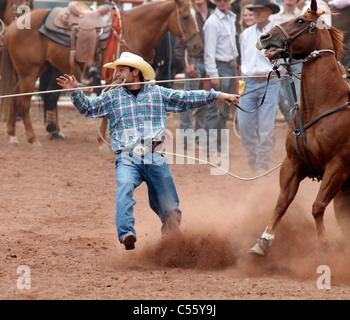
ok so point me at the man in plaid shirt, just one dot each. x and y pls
(136, 116)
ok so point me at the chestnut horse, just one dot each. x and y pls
(29, 50)
(317, 143)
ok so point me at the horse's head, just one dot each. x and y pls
(297, 37)
(185, 25)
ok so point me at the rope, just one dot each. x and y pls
(223, 170)
(133, 83)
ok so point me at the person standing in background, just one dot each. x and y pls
(194, 68)
(220, 54)
(257, 125)
(247, 18)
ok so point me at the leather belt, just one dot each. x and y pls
(142, 149)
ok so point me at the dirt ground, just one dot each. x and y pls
(57, 209)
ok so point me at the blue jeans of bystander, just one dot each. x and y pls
(217, 117)
(257, 128)
(185, 118)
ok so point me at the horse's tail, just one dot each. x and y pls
(7, 80)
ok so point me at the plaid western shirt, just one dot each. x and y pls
(143, 118)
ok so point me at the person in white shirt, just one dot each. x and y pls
(257, 128)
(220, 54)
(288, 10)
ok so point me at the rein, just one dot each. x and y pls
(263, 98)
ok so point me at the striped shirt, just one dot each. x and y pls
(133, 119)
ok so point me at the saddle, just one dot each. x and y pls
(83, 30)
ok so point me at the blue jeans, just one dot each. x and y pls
(131, 170)
(217, 117)
(257, 128)
(185, 118)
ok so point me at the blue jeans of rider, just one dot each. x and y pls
(131, 170)
(257, 128)
(217, 115)
(185, 118)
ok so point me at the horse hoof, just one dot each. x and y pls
(36, 145)
(13, 141)
(58, 136)
(261, 247)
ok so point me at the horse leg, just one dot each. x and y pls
(341, 203)
(333, 179)
(289, 184)
(11, 121)
(26, 83)
(25, 113)
(103, 146)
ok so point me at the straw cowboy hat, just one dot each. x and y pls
(264, 3)
(132, 60)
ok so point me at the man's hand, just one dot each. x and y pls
(67, 82)
(215, 83)
(190, 70)
(229, 98)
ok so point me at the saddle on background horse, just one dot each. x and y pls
(83, 30)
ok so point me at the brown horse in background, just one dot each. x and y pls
(29, 50)
(317, 143)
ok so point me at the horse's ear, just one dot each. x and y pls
(313, 6)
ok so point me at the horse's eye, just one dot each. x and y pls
(185, 19)
(300, 21)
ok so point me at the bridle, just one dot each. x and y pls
(193, 14)
(289, 39)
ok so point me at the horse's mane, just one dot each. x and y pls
(337, 39)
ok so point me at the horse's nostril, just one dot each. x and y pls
(265, 36)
